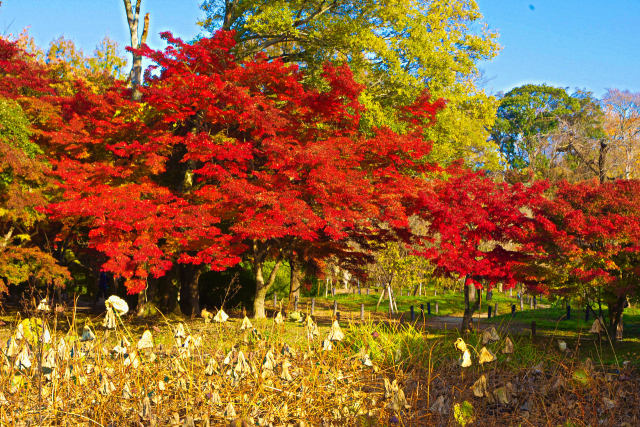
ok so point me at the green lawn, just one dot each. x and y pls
(449, 302)
(554, 318)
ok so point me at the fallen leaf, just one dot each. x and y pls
(508, 346)
(486, 356)
(465, 360)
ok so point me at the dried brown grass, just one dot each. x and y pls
(172, 386)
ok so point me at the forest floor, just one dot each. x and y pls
(386, 370)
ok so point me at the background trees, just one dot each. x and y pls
(395, 49)
(575, 137)
(588, 235)
(622, 125)
(527, 119)
(25, 254)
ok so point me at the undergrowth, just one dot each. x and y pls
(378, 374)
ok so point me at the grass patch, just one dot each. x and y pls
(174, 385)
(449, 303)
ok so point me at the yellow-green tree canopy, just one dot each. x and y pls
(68, 63)
(22, 180)
(396, 48)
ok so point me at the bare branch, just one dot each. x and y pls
(137, 9)
(317, 13)
(129, 11)
(229, 8)
(145, 30)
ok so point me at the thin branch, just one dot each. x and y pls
(137, 9)
(145, 30)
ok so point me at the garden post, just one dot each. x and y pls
(429, 308)
(335, 307)
(488, 312)
(533, 329)
(436, 308)
(313, 305)
(413, 316)
(362, 312)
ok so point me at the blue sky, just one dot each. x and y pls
(587, 44)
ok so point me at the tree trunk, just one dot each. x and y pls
(168, 289)
(602, 158)
(133, 16)
(380, 299)
(615, 318)
(296, 277)
(468, 308)
(390, 299)
(262, 287)
(472, 293)
(189, 289)
(145, 307)
(229, 6)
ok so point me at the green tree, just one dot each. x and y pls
(396, 267)
(22, 182)
(553, 134)
(396, 48)
(527, 115)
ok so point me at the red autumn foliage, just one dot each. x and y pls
(590, 239)
(222, 156)
(21, 76)
(481, 229)
(24, 180)
(225, 160)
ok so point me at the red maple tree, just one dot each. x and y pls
(589, 236)
(24, 174)
(224, 159)
(480, 230)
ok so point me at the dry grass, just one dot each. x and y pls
(197, 384)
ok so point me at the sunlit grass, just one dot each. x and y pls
(171, 386)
